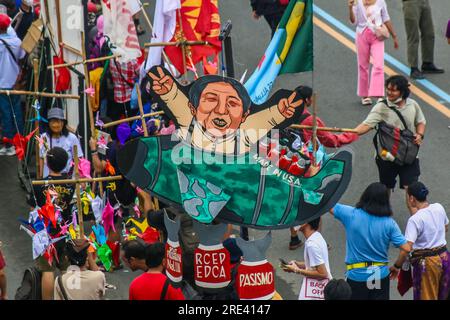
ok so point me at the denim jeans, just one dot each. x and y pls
(9, 127)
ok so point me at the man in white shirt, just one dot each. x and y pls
(10, 108)
(315, 268)
(425, 232)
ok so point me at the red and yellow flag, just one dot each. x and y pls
(200, 21)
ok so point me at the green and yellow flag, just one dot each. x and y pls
(290, 50)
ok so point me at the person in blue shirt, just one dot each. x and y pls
(370, 229)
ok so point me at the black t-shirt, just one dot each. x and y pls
(121, 189)
(65, 195)
(26, 20)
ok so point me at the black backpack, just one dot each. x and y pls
(31, 286)
(399, 143)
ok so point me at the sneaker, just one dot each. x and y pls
(416, 74)
(366, 101)
(429, 67)
(295, 243)
(11, 151)
(2, 151)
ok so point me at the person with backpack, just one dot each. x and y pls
(10, 108)
(401, 114)
(154, 284)
(3, 295)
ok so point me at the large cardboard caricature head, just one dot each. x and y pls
(219, 104)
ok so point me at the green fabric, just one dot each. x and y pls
(211, 199)
(301, 53)
(241, 182)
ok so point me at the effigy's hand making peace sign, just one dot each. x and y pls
(287, 106)
(163, 83)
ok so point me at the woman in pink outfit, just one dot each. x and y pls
(370, 15)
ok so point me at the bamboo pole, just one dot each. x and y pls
(147, 19)
(80, 234)
(71, 49)
(314, 129)
(85, 61)
(114, 123)
(36, 123)
(330, 129)
(141, 111)
(75, 181)
(40, 94)
(177, 43)
(58, 21)
(183, 48)
(295, 126)
(87, 83)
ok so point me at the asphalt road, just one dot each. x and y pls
(334, 81)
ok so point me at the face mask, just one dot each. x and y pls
(396, 101)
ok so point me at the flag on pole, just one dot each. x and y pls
(164, 24)
(289, 51)
(120, 29)
(200, 22)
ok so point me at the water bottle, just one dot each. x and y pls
(386, 155)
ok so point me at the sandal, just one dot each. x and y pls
(366, 101)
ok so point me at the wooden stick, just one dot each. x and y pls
(87, 84)
(295, 126)
(36, 123)
(177, 43)
(80, 234)
(75, 181)
(83, 62)
(147, 19)
(314, 137)
(114, 123)
(141, 111)
(58, 21)
(40, 94)
(71, 49)
(303, 127)
(183, 48)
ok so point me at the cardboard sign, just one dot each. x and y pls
(212, 266)
(255, 281)
(174, 262)
(313, 288)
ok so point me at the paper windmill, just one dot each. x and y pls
(97, 208)
(48, 211)
(37, 107)
(90, 91)
(98, 122)
(84, 167)
(109, 168)
(105, 255)
(108, 218)
(20, 143)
